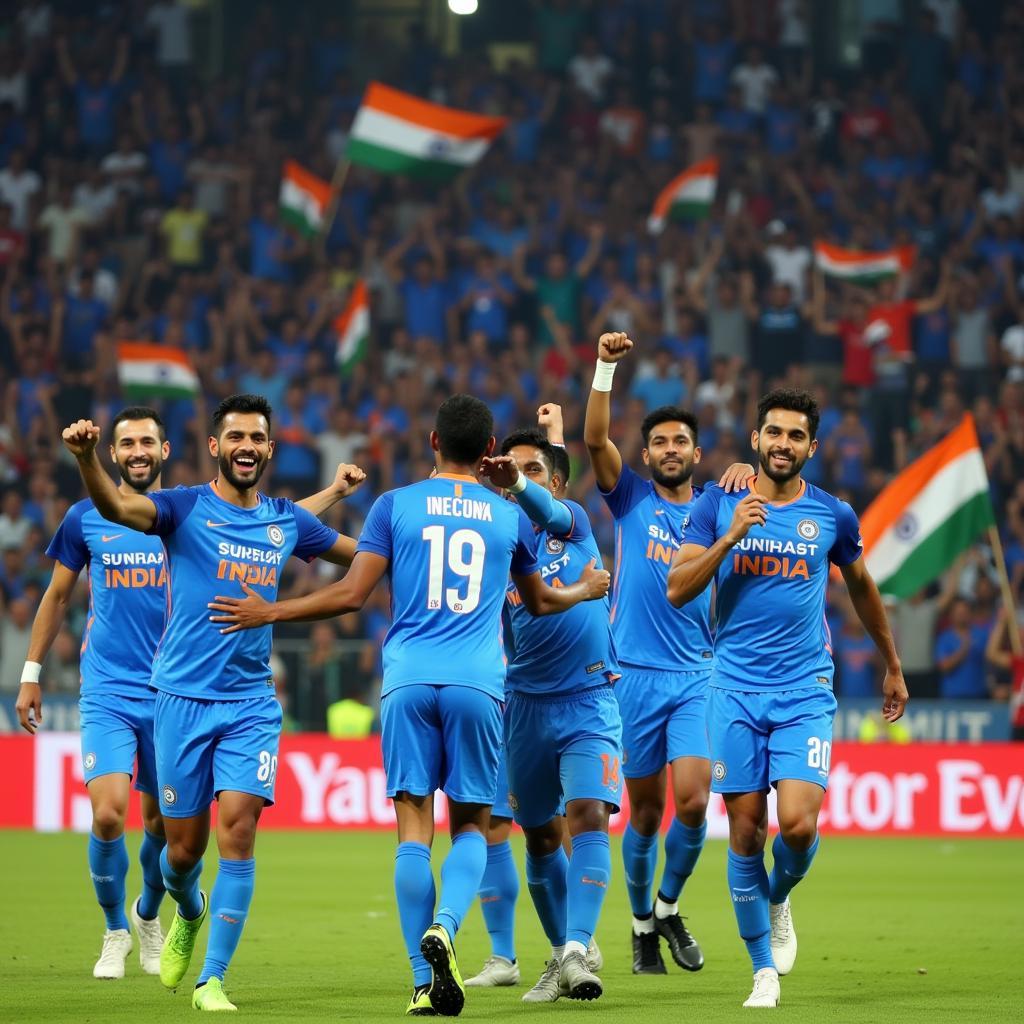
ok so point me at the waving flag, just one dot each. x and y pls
(686, 197)
(303, 198)
(862, 267)
(146, 371)
(352, 328)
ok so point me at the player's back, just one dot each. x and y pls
(451, 543)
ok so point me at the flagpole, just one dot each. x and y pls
(1004, 586)
(341, 169)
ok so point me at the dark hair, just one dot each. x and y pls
(240, 403)
(139, 412)
(464, 425)
(535, 438)
(792, 400)
(563, 467)
(668, 414)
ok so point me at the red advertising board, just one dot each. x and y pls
(918, 789)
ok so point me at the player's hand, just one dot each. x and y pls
(894, 696)
(597, 581)
(501, 470)
(347, 479)
(249, 612)
(81, 438)
(736, 477)
(750, 512)
(29, 706)
(613, 346)
(549, 419)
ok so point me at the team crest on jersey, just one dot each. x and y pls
(276, 535)
(170, 796)
(89, 761)
(808, 529)
(718, 771)
(554, 546)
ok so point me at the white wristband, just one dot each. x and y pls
(603, 373)
(30, 673)
(519, 486)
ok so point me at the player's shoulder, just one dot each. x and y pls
(80, 509)
(712, 495)
(842, 511)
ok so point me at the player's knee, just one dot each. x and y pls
(747, 835)
(237, 836)
(108, 820)
(545, 839)
(692, 809)
(183, 853)
(588, 816)
(153, 823)
(645, 816)
(798, 830)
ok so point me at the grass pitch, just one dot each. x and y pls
(890, 930)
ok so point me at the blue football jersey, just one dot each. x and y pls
(772, 633)
(127, 599)
(451, 543)
(212, 548)
(646, 630)
(570, 651)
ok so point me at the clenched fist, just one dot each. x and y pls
(347, 479)
(750, 512)
(613, 346)
(549, 417)
(597, 581)
(81, 438)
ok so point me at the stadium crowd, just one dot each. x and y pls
(138, 201)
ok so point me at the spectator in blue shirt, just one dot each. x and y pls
(960, 655)
(857, 657)
(712, 64)
(485, 298)
(84, 317)
(662, 385)
(271, 247)
(296, 459)
(96, 97)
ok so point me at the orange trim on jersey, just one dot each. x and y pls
(456, 476)
(781, 504)
(220, 497)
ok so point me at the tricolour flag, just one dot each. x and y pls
(352, 328)
(688, 196)
(304, 198)
(935, 509)
(402, 134)
(862, 267)
(146, 370)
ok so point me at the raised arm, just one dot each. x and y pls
(867, 602)
(536, 501)
(52, 609)
(549, 419)
(347, 479)
(821, 323)
(135, 511)
(604, 456)
(540, 599)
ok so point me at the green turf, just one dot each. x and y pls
(322, 942)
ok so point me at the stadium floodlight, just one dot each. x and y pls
(462, 6)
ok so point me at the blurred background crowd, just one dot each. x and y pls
(141, 146)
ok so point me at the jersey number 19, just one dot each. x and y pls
(460, 544)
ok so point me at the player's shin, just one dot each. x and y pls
(590, 870)
(639, 858)
(499, 891)
(748, 886)
(683, 845)
(789, 867)
(183, 886)
(229, 907)
(414, 893)
(461, 874)
(108, 866)
(546, 878)
(152, 878)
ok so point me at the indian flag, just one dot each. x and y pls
(304, 198)
(352, 328)
(935, 509)
(397, 133)
(688, 196)
(862, 267)
(146, 370)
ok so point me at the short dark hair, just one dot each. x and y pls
(534, 437)
(668, 414)
(241, 403)
(464, 425)
(793, 400)
(563, 465)
(139, 412)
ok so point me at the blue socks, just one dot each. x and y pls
(152, 880)
(183, 887)
(590, 869)
(414, 891)
(108, 865)
(640, 857)
(789, 867)
(499, 891)
(748, 887)
(229, 907)
(546, 880)
(461, 874)
(682, 848)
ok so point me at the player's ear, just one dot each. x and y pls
(165, 450)
(755, 436)
(646, 456)
(212, 444)
(490, 446)
(435, 441)
(696, 455)
(813, 449)
(270, 450)
(113, 455)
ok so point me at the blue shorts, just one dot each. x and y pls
(560, 748)
(117, 733)
(204, 747)
(501, 808)
(662, 718)
(441, 737)
(757, 739)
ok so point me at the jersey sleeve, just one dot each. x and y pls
(376, 535)
(524, 557)
(314, 537)
(554, 516)
(701, 524)
(172, 508)
(628, 492)
(848, 545)
(68, 545)
(581, 528)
